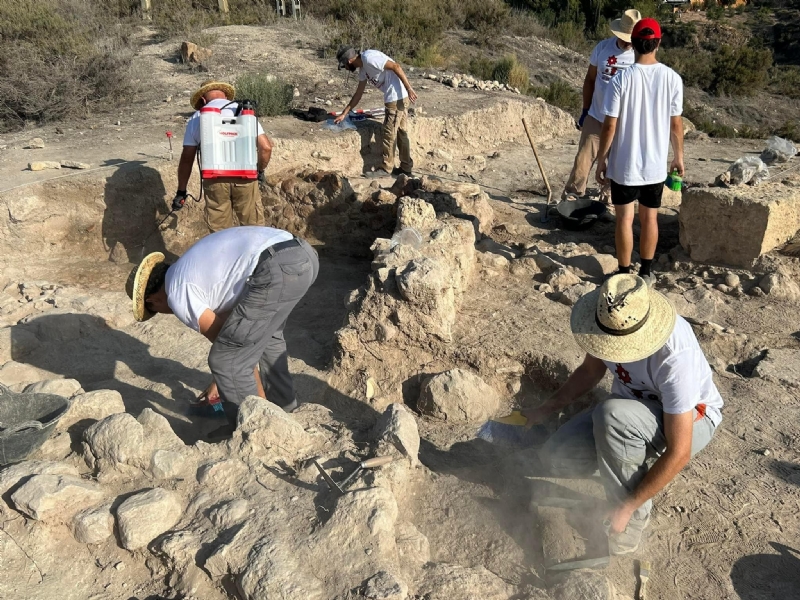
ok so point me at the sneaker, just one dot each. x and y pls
(398, 171)
(377, 174)
(291, 407)
(629, 540)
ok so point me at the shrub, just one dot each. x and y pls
(272, 95)
(488, 18)
(430, 56)
(693, 65)
(511, 72)
(785, 81)
(741, 71)
(60, 58)
(559, 93)
(481, 67)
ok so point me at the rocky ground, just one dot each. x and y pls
(399, 350)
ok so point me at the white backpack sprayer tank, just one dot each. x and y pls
(228, 143)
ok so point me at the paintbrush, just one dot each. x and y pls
(511, 431)
(644, 575)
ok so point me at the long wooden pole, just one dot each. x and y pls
(541, 170)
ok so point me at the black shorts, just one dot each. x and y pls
(647, 195)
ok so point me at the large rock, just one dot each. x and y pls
(384, 586)
(194, 54)
(465, 200)
(93, 525)
(265, 425)
(229, 513)
(780, 285)
(273, 572)
(14, 476)
(562, 278)
(118, 439)
(416, 213)
(734, 226)
(398, 426)
(583, 584)
(17, 375)
(781, 366)
(60, 387)
(413, 547)
(146, 515)
(55, 498)
(158, 435)
(458, 395)
(428, 286)
(16, 342)
(454, 582)
(91, 407)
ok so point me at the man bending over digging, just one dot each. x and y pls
(237, 287)
(663, 408)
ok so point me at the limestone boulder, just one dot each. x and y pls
(93, 525)
(734, 226)
(458, 395)
(91, 407)
(780, 285)
(16, 342)
(158, 435)
(583, 584)
(384, 585)
(55, 498)
(167, 464)
(118, 439)
(416, 213)
(572, 294)
(781, 366)
(460, 199)
(453, 582)
(193, 54)
(562, 278)
(267, 426)
(146, 515)
(60, 387)
(17, 375)
(413, 547)
(11, 478)
(398, 426)
(273, 572)
(229, 513)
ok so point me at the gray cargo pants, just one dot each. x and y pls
(619, 437)
(253, 333)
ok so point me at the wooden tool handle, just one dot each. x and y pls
(378, 461)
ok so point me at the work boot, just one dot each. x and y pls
(225, 431)
(377, 174)
(397, 171)
(629, 540)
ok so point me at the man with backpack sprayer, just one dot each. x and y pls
(229, 187)
(388, 76)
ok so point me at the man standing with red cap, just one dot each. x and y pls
(642, 110)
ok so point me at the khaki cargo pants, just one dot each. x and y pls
(587, 153)
(224, 199)
(395, 131)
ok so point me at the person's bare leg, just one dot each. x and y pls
(624, 234)
(648, 219)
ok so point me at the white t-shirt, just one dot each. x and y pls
(644, 98)
(610, 60)
(191, 136)
(386, 81)
(678, 376)
(213, 273)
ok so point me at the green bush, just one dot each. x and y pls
(561, 94)
(509, 71)
(693, 65)
(784, 80)
(430, 56)
(273, 96)
(741, 71)
(60, 58)
(482, 68)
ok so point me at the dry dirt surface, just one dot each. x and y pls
(398, 350)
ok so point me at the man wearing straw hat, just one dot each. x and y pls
(237, 287)
(663, 407)
(609, 58)
(228, 195)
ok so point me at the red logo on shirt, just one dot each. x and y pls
(612, 60)
(625, 379)
(623, 375)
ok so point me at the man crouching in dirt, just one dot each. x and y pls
(663, 408)
(388, 76)
(237, 287)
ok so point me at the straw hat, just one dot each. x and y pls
(623, 321)
(622, 28)
(209, 85)
(136, 286)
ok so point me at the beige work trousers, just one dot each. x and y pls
(225, 199)
(395, 130)
(587, 154)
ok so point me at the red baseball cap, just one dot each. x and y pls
(647, 23)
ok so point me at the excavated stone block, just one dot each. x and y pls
(412, 546)
(781, 366)
(416, 213)
(385, 586)
(92, 406)
(60, 387)
(93, 525)
(458, 395)
(116, 439)
(399, 427)
(267, 425)
(734, 226)
(454, 582)
(18, 474)
(146, 515)
(55, 497)
(229, 513)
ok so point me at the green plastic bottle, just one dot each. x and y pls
(674, 181)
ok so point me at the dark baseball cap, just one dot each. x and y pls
(646, 29)
(345, 55)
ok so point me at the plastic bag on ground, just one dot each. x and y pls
(345, 125)
(408, 236)
(778, 150)
(748, 169)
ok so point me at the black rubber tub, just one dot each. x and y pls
(26, 421)
(580, 214)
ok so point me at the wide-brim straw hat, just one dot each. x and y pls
(227, 88)
(622, 28)
(623, 321)
(136, 286)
